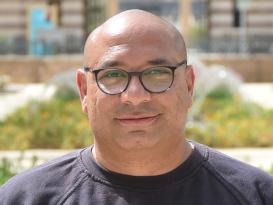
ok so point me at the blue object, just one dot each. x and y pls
(38, 21)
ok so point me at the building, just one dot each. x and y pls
(41, 27)
(244, 26)
(20, 21)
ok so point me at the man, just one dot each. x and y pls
(136, 89)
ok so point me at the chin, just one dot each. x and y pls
(137, 140)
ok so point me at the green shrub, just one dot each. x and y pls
(221, 92)
(66, 93)
(54, 124)
(229, 122)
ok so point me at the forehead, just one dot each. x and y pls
(131, 49)
(133, 36)
(138, 55)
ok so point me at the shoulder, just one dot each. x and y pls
(244, 180)
(43, 183)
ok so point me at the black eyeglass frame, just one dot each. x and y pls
(139, 74)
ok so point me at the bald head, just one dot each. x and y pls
(132, 26)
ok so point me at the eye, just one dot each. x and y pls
(111, 73)
(157, 71)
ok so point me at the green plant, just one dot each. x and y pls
(9, 168)
(229, 122)
(5, 171)
(56, 124)
(65, 93)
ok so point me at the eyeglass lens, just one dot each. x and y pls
(114, 81)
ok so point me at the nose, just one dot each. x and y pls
(135, 93)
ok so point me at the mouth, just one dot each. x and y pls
(137, 120)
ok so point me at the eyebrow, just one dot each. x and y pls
(111, 63)
(159, 61)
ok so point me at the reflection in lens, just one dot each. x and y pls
(112, 81)
(157, 79)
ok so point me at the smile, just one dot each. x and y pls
(137, 120)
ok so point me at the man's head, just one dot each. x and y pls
(136, 119)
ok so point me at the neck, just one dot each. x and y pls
(143, 162)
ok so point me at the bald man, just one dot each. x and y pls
(136, 88)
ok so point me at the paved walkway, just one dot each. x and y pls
(18, 95)
(260, 93)
(258, 157)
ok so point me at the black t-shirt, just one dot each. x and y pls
(206, 177)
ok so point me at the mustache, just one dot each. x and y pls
(143, 108)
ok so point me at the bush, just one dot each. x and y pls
(229, 122)
(54, 124)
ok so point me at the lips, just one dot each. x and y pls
(137, 120)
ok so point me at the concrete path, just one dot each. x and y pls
(260, 93)
(18, 95)
(258, 157)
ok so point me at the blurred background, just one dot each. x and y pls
(46, 27)
(230, 44)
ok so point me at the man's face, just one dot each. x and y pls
(136, 119)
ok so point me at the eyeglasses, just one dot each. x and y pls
(155, 79)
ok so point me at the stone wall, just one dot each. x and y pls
(252, 68)
(24, 69)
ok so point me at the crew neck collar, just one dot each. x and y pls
(99, 173)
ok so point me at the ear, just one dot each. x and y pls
(190, 79)
(82, 86)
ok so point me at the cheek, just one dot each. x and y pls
(182, 94)
(180, 102)
(179, 91)
(100, 106)
(100, 114)
(93, 99)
